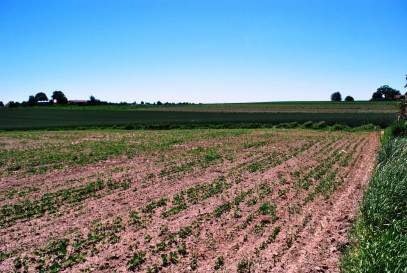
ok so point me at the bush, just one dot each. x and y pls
(129, 127)
(367, 127)
(399, 129)
(308, 124)
(287, 125)
(319, 125)
(340, 127)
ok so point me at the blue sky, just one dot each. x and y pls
(201, 51)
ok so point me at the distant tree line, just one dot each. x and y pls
(59, 98)
(382, 93)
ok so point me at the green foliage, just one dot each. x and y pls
(267, 209)
(385, 92)
(244, 265)
(340, 127)
(319, 125)
(402, 109)
(212, 156)
(379, 238)
(194, 264)
(219, 263)
(153, 205)
(32, 101)
(349, 98)
(336, 96)
(397, 129)
(60, 97)
(308, 125)
(137, 260)
(182, 249)
(366, 128)
(41, 96)
(29, 118)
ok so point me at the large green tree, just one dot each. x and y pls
(32, 101)
(336, 96)
(385, 92)
(59, 96)
(41, 96)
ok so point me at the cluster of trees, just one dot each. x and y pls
(58, 97)
(385, 92)
(336, 96)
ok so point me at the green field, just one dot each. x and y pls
(43, 118)
(290, 106)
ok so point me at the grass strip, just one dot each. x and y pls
(379, 236)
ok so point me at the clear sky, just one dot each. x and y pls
(201, 50)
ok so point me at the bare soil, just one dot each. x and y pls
(249, 201)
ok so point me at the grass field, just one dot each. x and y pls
(68, 117)
(179, 200)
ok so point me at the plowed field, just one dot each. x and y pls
(179, 200)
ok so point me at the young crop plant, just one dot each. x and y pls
(173, 257)
(185, 232)
(174, 210)
(153, 205)
(137, 260)
(219, 263)
(244, 265)
(194, 264)
(164, 258)
(267, 209)
(163, 229)
(248, 220)
(135, 219)
(182, 249)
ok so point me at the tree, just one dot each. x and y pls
(349, 98)
(32, 101)
(59, 96)
(377, 96)
(92, 100)
(13, 104)
(385, 92)
(336, 96)
(41, 97)
(405, 86)
(1, 104)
